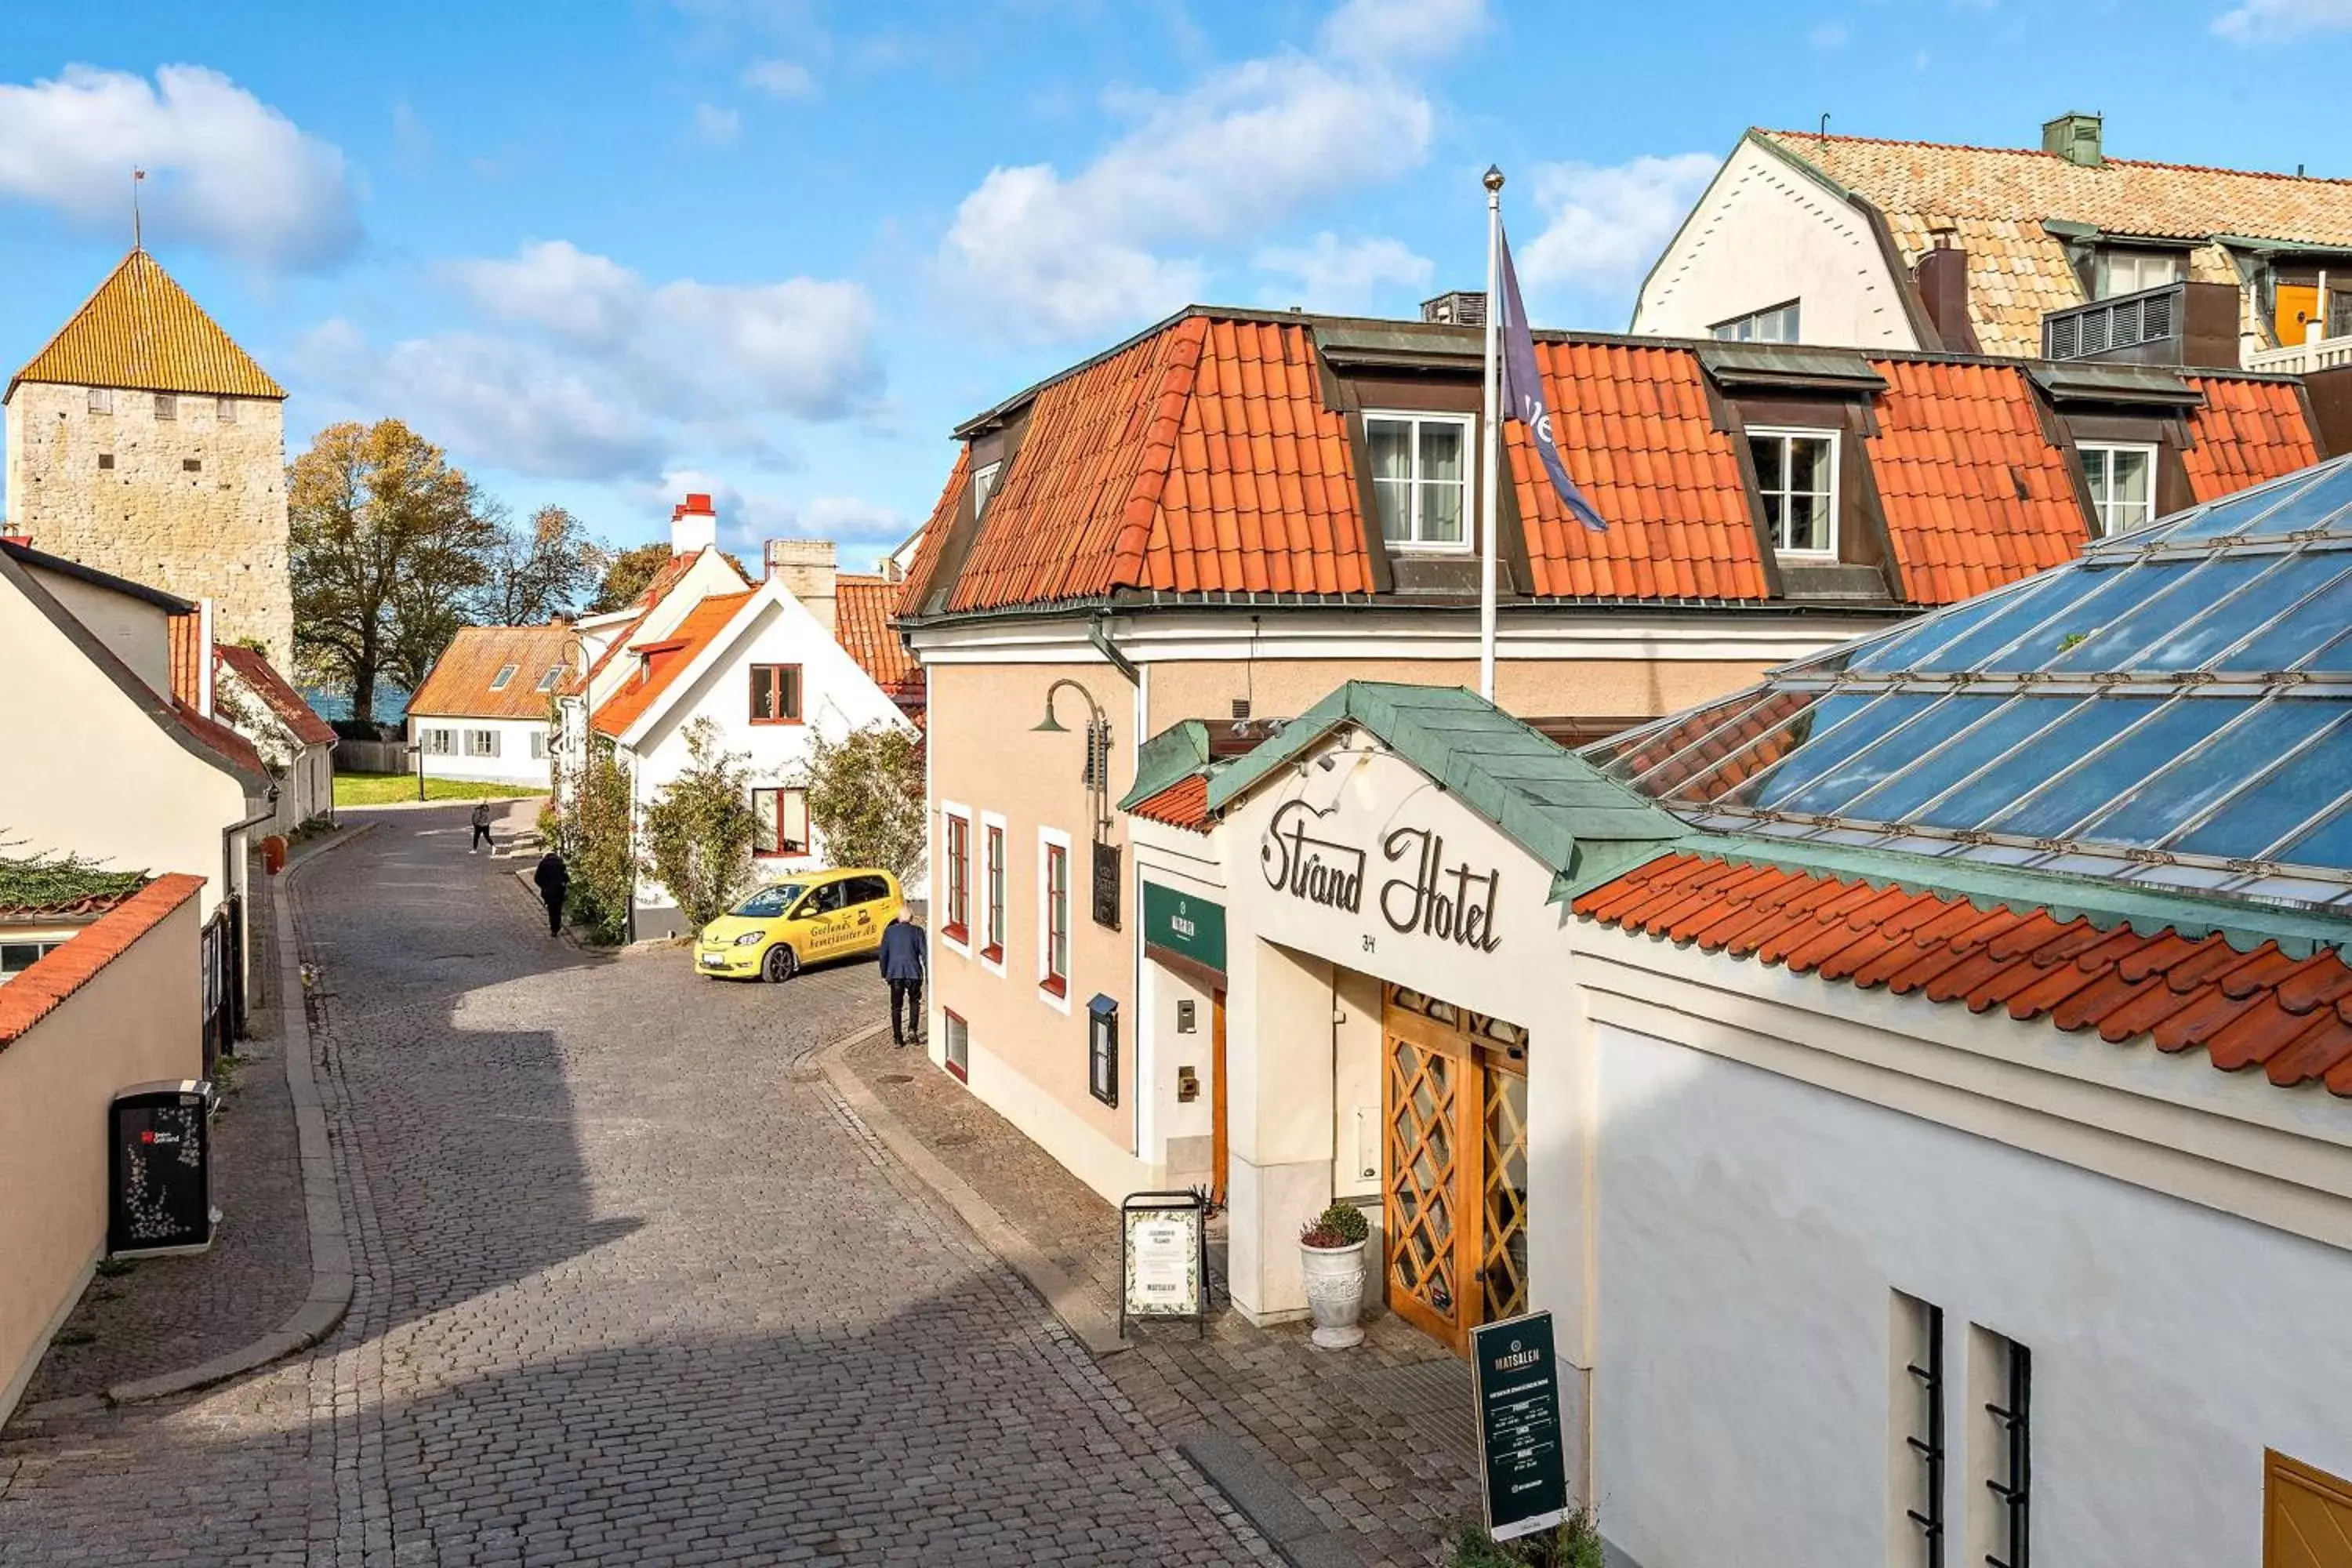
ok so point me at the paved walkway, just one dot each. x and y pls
(634, 1288)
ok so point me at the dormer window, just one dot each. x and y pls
(1420, 477)
(2123, 486)
(2127, 271)
(1796, 475)
(984, 482)
(1777, 325)
(506, 673)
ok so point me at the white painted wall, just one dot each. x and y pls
(514, 763)
(1763, 234)
(1751, 1227)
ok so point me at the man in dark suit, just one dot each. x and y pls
(902, 966)
(554, 880)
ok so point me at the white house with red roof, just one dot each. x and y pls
(296, 745)
(808, 651)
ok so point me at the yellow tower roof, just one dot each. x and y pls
(140, 330)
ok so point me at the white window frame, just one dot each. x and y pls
(776, 824)
(952, 811)
(538, 745)
(481, 743)
(990, 935)
(2103, 270)
(507, 672)
(438, 741)
(1741, 329)
(983, 485)
(102, 400)
(547, 682)
(1764, 487)
(2101, 454)
(1051, 838)
(1414, 543)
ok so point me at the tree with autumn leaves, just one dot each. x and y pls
(393, 548)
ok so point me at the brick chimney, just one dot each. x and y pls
(693, 526)
(1943, 275)
(806, 568)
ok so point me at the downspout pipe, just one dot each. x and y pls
(228, 883)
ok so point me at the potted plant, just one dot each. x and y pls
(1331, 1256)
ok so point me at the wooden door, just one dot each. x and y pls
(1218, 1147)
(1455, 1198)
(2296, 307)
(2307, 1518)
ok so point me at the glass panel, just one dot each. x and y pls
(1768, 451)
(2268, 812)
(1391, 441)
(1867, 768)
(2329, 845)
(2167, 734)
(1776, 525)
(1441, 451)
(1843, 726)
(1395, 500)
(1910, 788)
(2117, 593)
(1809, 467)
(2056, 590)
(2203, 635)
(2089, 725)
(2335, 656)
(2180, 600)
(2307, 626)
(2129, 501)
(2293, 507)
(1808, 521)
(2147, 812)
(1901, 649)
(1441, 513)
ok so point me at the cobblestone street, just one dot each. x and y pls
(634, 1286)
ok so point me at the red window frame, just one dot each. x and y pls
(776, 686)
(958, 900)
(776, 824)
(993, 888)
(1057, 920)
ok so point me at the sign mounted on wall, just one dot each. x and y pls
(1185, 924)
(1520, 1459)
(1106, 885)
(1102, 1049)
(1425, 896)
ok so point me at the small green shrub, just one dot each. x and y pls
(1341, 1224)
(1576, 1544)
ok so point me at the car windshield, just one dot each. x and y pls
(770, 902)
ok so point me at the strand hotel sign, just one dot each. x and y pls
(1412, 887)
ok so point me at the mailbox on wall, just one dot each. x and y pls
(1102, 1049)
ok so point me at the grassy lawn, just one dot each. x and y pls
(383, 789)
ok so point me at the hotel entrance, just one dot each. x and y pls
(1454, 1105)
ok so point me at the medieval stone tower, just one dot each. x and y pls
(143, 442)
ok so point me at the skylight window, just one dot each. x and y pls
(554, 673)
(506, 673)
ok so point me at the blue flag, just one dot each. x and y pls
(1523, 397)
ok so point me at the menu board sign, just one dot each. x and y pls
(161, 1196)
(1519, 1453)
(1163, 1239)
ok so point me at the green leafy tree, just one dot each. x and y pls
(389, 544)
(537, 571)
(594, 832)
(698, 831)
(865, 798)
(627, 573)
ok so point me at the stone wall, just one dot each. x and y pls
(115, 490)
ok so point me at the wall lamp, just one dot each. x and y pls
(1096, 771)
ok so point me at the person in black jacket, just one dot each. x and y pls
(481, 829)
(555, 879)
(902, 966)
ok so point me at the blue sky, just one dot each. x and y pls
(609, 252)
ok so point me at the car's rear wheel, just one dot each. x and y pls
(780, 964)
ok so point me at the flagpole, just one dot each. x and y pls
(1493, 470)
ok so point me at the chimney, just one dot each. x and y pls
(1943, 275)
(805, 566)
(693, 526)
(1460, 308)
(2075, 138)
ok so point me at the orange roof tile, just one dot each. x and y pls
(37, 991)
(1184, 804)
(2248, 432)
(186, 631)
(458, 685)
(662, 661)
(221, 740)
(924, 568)
(2292, 1017)
(258, 673)
(862, 610)
(140, 330)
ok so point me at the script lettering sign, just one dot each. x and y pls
(1425, 896)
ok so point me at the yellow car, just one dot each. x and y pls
(821, 915)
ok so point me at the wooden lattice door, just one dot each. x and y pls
(1456, 1111)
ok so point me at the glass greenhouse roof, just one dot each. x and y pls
(2175, 709)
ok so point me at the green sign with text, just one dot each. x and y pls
(1185, 923)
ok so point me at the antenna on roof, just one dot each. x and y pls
(1825, 125)
(137, 240)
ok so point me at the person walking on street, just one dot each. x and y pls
(902, 966)
(481, 828)
(555, 879)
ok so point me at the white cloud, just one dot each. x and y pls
(718, 126)
(1828, 36)
(783, 78)
(1225, 161)
(224, 170)
(2277, 21)
(581, 368)
(1337, 274)
(1604, 226)
(1386, 31)
(748, 518)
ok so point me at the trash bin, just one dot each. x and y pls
(160, 1169)
(273, 855)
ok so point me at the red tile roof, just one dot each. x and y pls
(258, 673)
(222, 740)
(663, 660)
(1184, 804)
(1201, 458)
(37, 991)
(2291, 1016)
(186, 631)
(2248, 431)
(458, 684)
(922, 571)
(862, 610)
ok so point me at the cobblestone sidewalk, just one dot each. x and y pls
(1376, 1442)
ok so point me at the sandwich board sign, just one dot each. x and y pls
(1520, 1460)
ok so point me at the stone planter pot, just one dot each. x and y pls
(1335, 1293)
